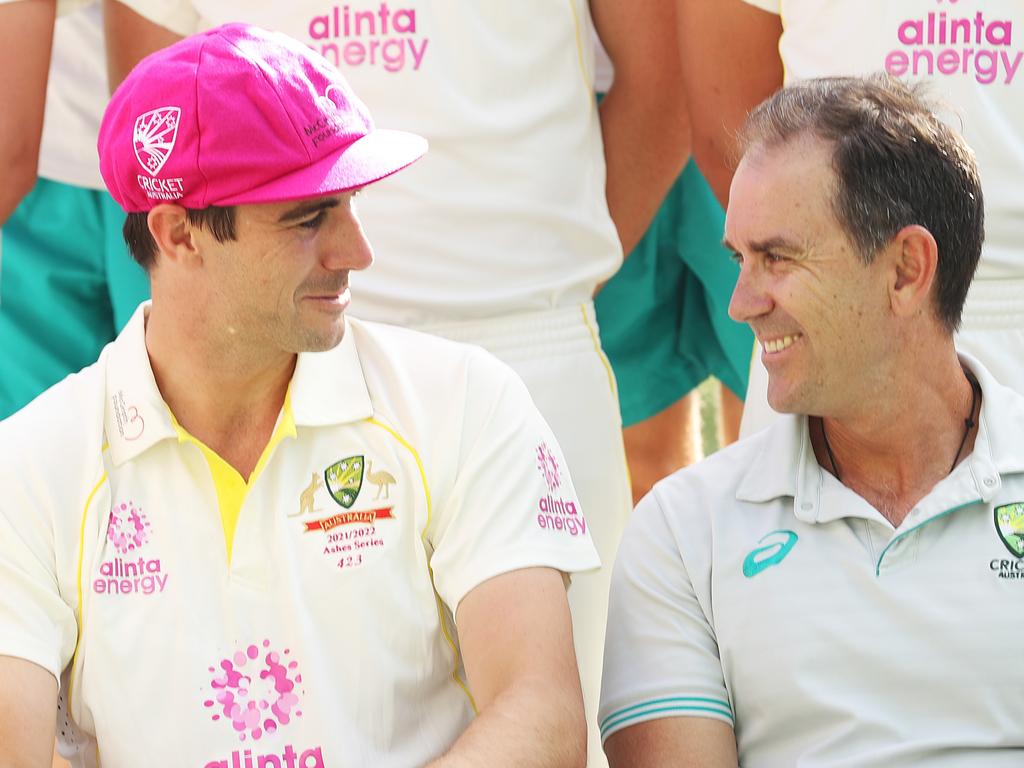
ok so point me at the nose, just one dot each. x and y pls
(750, 299)
(347, 247)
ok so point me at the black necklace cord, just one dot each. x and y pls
(969, 424)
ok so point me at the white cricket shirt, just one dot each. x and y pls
(756, 589)
(971, 52)
(307, 623)
(506, 213)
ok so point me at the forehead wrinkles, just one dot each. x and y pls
(796, 182)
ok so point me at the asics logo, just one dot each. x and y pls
(770, 554)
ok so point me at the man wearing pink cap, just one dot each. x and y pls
(258, 533)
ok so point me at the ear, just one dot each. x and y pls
(169, 226)
(915, 259)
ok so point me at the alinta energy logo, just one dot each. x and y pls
(376, 36)
(556, 512)
(956, 39)
(153, 138)
(256, 692)
(128, 531)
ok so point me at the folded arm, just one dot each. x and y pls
(644, 123)
(28, 714)
(26, 37)
(516, 639)
(130, 38)
(730, 65)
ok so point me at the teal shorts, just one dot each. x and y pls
(663, 316)
(67, 286)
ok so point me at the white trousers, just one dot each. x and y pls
(557, 354)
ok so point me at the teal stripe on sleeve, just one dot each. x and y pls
(680, 704)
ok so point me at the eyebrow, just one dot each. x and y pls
(302, 210)
(763, 246)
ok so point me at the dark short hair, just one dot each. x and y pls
(220, 221)
(896, 164)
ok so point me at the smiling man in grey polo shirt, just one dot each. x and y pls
(840, 589)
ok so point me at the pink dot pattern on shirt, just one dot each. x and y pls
(255, 690)
(127, 527)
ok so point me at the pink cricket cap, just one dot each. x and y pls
(240, 115)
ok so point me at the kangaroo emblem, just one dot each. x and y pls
(306, 497)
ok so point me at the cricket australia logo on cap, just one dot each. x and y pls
(154, 136)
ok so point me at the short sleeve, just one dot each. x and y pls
(512, 504)
(661, 657)
(35, 622)
(179, 16)
(772, 6)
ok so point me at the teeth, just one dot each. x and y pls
(777, 345)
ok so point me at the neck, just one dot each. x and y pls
(894, 449)
(219, 392)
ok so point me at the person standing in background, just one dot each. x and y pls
(665, 326)
(67, 283)
(968, 51)
(506, 232)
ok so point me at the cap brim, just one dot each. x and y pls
(371, 158)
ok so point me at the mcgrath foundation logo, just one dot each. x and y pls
(548, 466)
(127, 527)
(154, 137)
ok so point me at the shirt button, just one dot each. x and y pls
(807, 506)
(990, 481)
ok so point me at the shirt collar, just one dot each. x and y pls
(326, 388)
(135, 417)
(785, 446)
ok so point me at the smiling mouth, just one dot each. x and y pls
(780, 343)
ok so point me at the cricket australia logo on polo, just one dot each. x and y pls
(131, 571)
(153, 137)
(352, 534)
(1009, 520)
(256, 692)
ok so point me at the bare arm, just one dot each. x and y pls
(26, 36)
(730, 65)
(516, 639)
(28, 714)
(643, 118)
(130, 38)
(680, 742)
